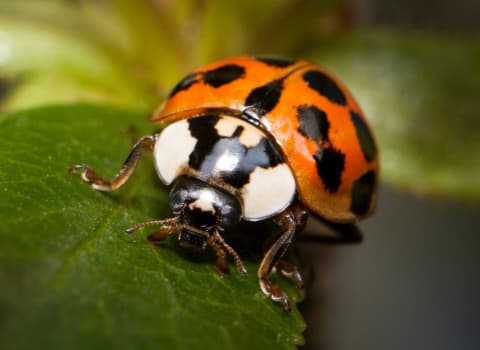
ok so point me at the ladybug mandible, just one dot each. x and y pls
(251, 139)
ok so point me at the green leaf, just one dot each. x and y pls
(71, 278)
(421, 95)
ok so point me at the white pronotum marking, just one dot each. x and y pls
(204, 202)
(226, 126)
(172, 150)
(250, 136)
(268, 192)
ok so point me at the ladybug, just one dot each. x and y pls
(250, 139)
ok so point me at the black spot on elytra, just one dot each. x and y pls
(264, 98)
(362, 193)
(364, 136)
(313, 123)
(184, 84)
(223, 75)
(210, 147)
(330, 165)
(276, 61)
(325, 86)
(215, 77)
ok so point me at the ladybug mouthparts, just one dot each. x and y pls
(192, 238)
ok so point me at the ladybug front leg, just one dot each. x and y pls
(285, 267)
(221, 249)
(89, 175)
(290, 271)
(221, 263)
(288, 220)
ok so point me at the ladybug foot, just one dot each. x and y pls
(90, 176)
(275, 293)
(222, 268)
(290, 271)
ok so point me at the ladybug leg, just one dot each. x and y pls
(167, 226)
(288, 220)
(301, 216)
(221, 263)
(290, 271)
(221, 249)
(285, 267)
(159, 236)
(89, 175)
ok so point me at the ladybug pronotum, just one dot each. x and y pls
(251, 139)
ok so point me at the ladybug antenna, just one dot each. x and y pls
(171, 223)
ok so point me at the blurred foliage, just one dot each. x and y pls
(420, 93)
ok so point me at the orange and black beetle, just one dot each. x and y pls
(253, 139)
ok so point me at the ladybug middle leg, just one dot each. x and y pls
(293, 220)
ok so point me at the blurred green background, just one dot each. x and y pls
(414, 67)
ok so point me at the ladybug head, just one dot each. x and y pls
(202, 209)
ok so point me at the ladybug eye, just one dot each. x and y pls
(178, 200)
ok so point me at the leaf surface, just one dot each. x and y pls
(71, 278)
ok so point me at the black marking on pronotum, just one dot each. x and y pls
(330, 165)
(262, 155)
(203, 130)
(313, 123)
(184, 84)
(325, 86)
(276, 61)
(223, 75)
(243, 160)
(264, 98)
(362, 193)
(238, 131)
(367, 144)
